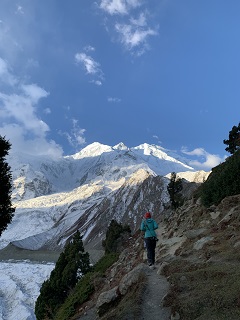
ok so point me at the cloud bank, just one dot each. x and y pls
(20, 123)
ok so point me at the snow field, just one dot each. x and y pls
(20, 284)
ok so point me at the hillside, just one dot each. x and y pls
(198, 256)
(197, 265)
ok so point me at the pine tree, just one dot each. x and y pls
(6, 209)
(174, 187)
(71, 266)
(113, 236)
(233, 140)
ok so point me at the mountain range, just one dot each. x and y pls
(54, 197)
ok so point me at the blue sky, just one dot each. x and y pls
(164, 72)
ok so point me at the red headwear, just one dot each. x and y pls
(147, 215)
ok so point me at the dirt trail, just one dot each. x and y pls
(157, 288)
(151, 309)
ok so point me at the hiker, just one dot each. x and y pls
(149, 225)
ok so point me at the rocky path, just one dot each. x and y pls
(157, 287)
(151, 308)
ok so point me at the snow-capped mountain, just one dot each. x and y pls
(55, 197)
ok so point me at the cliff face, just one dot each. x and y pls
(197, 259)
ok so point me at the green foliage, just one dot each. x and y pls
(79, 295)
(223, 181)
(72, 264)
(6, 209)
(174, 188)
(113, 234)
(84, 288)
(105, 262)
(233, 141)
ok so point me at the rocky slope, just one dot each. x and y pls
(197, 259)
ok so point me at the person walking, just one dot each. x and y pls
(149, 225)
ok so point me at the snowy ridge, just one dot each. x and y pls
(53, 195)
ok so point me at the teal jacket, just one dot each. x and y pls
(149, 225)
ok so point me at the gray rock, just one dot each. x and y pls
(200, 243)
(107, 297)
(191, 234)
(130, 278)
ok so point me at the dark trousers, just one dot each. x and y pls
(150, 245)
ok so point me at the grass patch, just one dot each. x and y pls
(205, 291)
(105, 262)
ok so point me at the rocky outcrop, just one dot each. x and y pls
(109, 298)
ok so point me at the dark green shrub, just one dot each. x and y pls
(105, 262)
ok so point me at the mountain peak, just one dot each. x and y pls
(120, 146)
(92, 150)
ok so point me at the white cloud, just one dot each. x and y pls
(22, 109)
(140, 22)
(47, 111)
(97, 82)
(121, 7)
(19, 10)
(91, 67)
(157, 138)
(22, 142)
(134, 35)
(34, 92)
(76, 136)
(207, 161)
(89, 48)
(18, 116)
(114, 100)
(5, 75)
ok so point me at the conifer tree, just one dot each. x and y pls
(233, 141)
(72, 264)
(6, 209)
(174, 187)
(113, 235)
